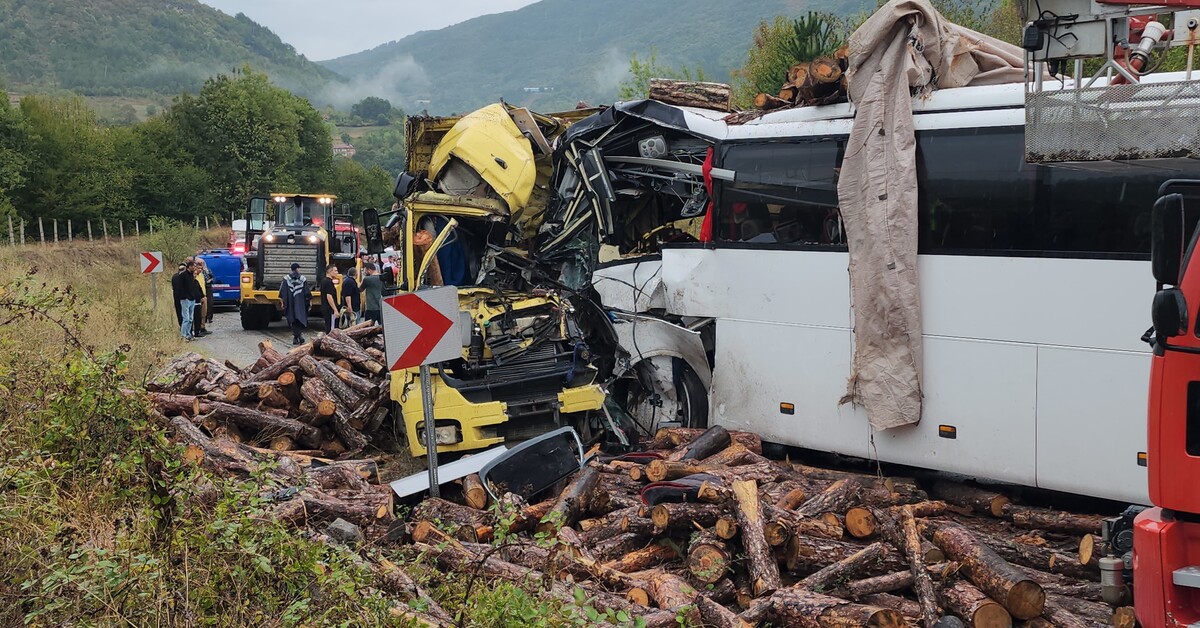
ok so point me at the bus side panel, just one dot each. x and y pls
(1091, 422)
(799, 287)
(1093, 303)
(762, 365)
(986, 392)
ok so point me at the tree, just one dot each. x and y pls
(383, 149)
(371, 108)
(637, 85)
(779, 44)
(361, 187)
(13, 136)
(250, 136)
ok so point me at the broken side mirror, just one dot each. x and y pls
(1167, 239)
(535, 465)
(1169, 313)
(405, 184)
(372, 230)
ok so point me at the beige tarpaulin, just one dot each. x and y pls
(905, 48)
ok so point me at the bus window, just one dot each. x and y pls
(783, 193)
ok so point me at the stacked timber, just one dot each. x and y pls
(321, 399)
(776, 543)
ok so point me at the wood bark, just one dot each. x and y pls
(900, 528)
(1054, 520)
(684, 517)
(1020, 595)
(792, 499)
(671, 437)
(708, 558)
(691, 94)
(806, 554)
(179, 375)
(768, 102)
(840, 496)
(605, 527)
(764, 571)
(660, 470)
(860, 522)
(799, 607)
(339, 345)
(437, 509)
(973, 606)
(618, 546)
(473, 492)
(711, 441)
(1041, 558)
(670, 592)
(644, 558)
(262, 421)
(340, 390)
(570, 503)
(716, 616)
(275, 369)
(844, 569)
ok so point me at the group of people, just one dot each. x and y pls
(192, 288)
(360, 300)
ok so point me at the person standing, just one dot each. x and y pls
(177, 292)
(210, 282)
(295, 296)
(372, 293)
(198, 313)
(352, 295)
(190, 294)
(329, 302)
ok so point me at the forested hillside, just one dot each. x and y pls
(578, 49)
(104, 47)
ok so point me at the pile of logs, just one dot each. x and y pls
(767, 541)
(818, 82)
(321, 399)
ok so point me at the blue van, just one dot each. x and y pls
(227, 271)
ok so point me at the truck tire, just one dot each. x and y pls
(691, 393)
(255, 317)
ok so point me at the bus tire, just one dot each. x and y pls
(693, 399)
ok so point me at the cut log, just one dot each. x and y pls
(571, 502)
(275, 369)
(1124, 618)
(764, 571)
(726, 527)
(860, 523)
(792, 499)
(713, 493)
(337, 344)
(839, 497)
(672, 437)
(262, 421)
(363, 509)
(900, 528)
(340, 390)
(660, 470)
(797, 73)
(222, 456)
(787, 93)
(684, 517)
(877, 584)
(713, 440)
(824, 70)
(716, 616)
(356, 474)
(806, 554)
(179, 375)
(172, 404)
(906, 607)
(691, 94)
(1090, 548)
(360, 384)
(708, 558)
(670, 592)
(1041, 558)
(1020, 595)
(767, 102)
(976, 499)
(473, 492)
(606, 500)
(1062, 618)
(644, 558)
(844, 569)
(529, 516)
(436, 509)
(1053, 520)
(800, 607)
(637, 524)
(621, 545)
(973, 606)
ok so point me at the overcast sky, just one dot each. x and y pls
(324, 29)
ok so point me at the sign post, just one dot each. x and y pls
(152, 264)
(419, 329)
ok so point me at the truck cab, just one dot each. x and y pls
(1166, 548)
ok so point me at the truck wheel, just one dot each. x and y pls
(646, 409)
(255, 317)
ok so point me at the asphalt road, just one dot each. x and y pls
(229, 341)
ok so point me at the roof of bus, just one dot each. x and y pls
(961, 106)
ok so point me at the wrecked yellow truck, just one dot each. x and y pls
(541, 348)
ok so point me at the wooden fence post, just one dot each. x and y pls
(121, 226)
(104, 225)
(56, 231)
(151, 225)
(206, 223)
(137, 228)
(196, 224)
(89, 225)
(12, 239)
(70, 231)
(41, 230)
(22, 232)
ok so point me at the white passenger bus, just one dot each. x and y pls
(1033, 279)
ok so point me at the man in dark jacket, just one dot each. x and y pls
(189, 295)
(352, 295)
(177, 292)
(372, 291)
(294, 293)
(329, 299)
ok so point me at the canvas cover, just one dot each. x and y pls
(906, 48)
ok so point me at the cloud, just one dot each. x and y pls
(401, 81)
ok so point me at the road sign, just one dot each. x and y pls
(421, 327)
(152, 262)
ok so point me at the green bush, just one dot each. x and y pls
(177, 240)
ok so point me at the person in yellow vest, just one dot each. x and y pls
(198, 326)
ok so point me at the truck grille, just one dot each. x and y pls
(276, 262)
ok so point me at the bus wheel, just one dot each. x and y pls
(662, 391)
